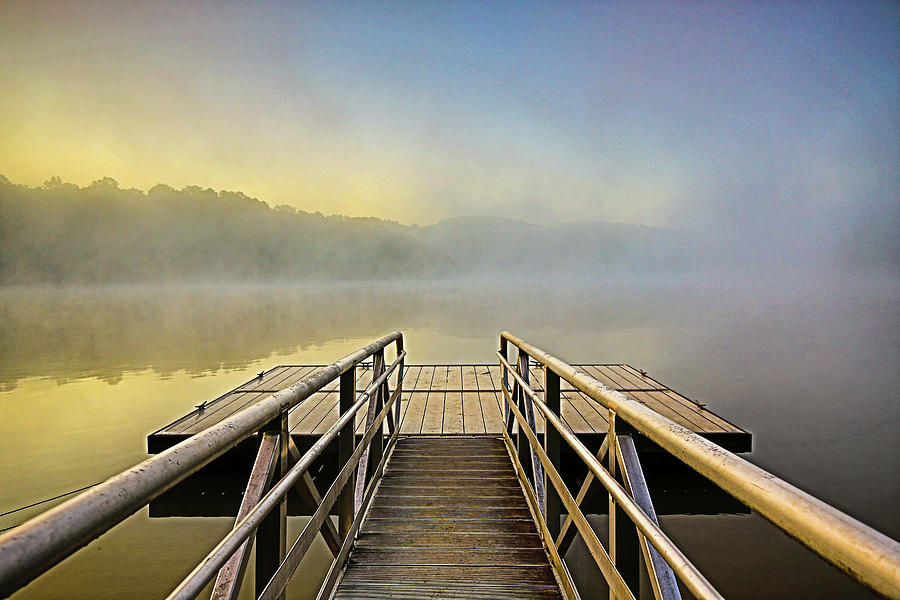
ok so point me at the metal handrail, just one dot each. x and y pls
(40, 543)
(281, 578)
(340, 560)
(865, 554)
(204, 572)
(687, 572)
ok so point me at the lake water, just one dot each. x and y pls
(812, 369)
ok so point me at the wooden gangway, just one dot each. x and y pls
(444, 489)
(449, 520)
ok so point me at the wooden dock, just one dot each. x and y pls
(457, 399)
(449, 520)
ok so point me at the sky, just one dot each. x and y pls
(745, 117)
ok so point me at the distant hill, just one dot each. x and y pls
(60, 233)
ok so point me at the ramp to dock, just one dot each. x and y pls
(449, 520)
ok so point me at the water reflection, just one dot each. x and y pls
(104, 333)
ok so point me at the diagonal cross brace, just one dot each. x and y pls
(311, 498)
(588, 489)
(231, 575)
(376, 402)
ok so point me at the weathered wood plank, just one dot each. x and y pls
(469, 378)
(473, 415)
(425, 461)
(433, 420)
(419, 591)
(511, 574)
(453, 413)
(701, 410)
(298, 416)
(415, 411)
(271, 378)
(449, 556)
(571, 408)
(604, 376)
(500, 490)
(489, 398)
(400, 500)
(450, 540)
(328, 404)
(672, 411)
(632, 379)
(295, 375)
(441, 526)
(410, 377)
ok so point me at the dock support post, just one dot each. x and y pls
(624, 547)
(271, 537)
(611, 504)
(346, 445)
(662, 577)
(551, 446)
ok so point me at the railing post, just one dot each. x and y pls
(346, 445)
(611, 467)
(271, 537)
(399, 387)
(551, 446)
(504, 351)
(377, 447)
(624, 547)
(524, 450)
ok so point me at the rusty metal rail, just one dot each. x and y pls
(868, 556)
(39, 544)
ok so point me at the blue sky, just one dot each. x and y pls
(721, 116)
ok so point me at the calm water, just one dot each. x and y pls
(810, 369)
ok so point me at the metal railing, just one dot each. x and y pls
(37, 545)
(868, 556)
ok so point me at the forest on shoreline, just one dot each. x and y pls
(60, 233)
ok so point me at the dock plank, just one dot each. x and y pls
(473, 413)
(415, 411)
(453, 413)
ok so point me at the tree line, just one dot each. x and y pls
(60, 233)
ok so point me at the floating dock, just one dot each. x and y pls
(450, 400)
(457, 399)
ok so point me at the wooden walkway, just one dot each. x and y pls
(449, 520)
(453, 399)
